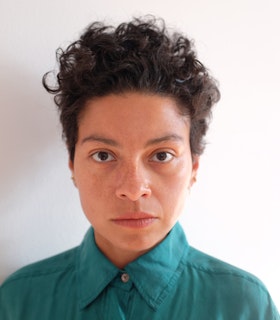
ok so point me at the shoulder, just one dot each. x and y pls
(208, 265)
(46, 268)
(39, 284)
(226, 286)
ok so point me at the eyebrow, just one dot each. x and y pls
(97, 138)
(168, 137)
(111, 142)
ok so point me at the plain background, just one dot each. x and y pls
(234, 207)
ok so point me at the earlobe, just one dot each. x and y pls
(74, 182)
(193, 180)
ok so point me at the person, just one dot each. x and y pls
(135, 104)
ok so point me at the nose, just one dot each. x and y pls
(133, 183)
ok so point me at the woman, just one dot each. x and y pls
(134, 104)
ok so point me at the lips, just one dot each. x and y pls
(135, 220)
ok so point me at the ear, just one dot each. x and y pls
(195, 167)
(71, 166)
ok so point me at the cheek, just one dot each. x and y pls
(92, 191)
(175, 189)
(179, 179)
(92, 201)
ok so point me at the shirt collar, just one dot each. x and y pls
(94, 270)
(154, 274)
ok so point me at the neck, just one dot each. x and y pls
(120, 257)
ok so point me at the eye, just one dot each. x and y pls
(162, 156)
(102, 156)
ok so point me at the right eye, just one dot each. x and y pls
(102, 156)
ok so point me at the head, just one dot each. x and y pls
(134, 104)
(139, 56)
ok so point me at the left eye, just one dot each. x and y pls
(162, 157)
(102, 156)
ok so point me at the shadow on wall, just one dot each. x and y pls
(28, 128)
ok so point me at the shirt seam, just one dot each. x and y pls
(36, 274)
(233, 274)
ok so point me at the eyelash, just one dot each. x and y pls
(108, 154)
(169, 156)
(97, 156)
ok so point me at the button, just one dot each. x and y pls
(125, 277)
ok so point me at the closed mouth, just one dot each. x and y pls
(135, 220)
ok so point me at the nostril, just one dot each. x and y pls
(132, 183)
(147, 192)
(133, 194)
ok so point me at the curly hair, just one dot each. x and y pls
(138, 56)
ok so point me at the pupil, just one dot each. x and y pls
(161, 156)
(103, 156)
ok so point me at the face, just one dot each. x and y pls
(133, 168)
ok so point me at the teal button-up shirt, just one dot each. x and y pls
(173, 281)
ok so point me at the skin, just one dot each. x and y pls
(133, 168)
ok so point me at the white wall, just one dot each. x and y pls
(234, 209)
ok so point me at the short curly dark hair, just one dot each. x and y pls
(138, 56)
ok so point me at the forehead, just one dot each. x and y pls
(132, 114)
